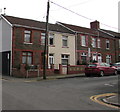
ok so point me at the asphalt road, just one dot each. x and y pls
(59, 94)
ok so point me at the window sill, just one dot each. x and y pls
(51, 45)
(65, 47)
(107, 48)
(83, 46)
(28, 43)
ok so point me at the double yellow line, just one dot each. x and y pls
(96, 99)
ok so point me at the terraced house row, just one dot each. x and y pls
(69, 46)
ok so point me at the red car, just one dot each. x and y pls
(100, 69)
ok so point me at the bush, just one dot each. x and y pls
(27, 67)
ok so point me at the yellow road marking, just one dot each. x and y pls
(95, 99)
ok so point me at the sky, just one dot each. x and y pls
(75, 12)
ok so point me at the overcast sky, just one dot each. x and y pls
(105, 11)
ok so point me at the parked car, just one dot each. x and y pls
(100, 69)
(117, 65)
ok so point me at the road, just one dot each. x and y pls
(59, 94)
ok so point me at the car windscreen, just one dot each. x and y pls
(116, 64)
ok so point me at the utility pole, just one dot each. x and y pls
(46, 42)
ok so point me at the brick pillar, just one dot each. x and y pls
(68, 66)
(52, 67)
(60, 69)
(22, 70)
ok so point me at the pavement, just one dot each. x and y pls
(110, 100)
(41, 78)
(114, 100)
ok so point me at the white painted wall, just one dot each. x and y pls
(119, 17)
(6, 36)
(0, 34)
(57, 50)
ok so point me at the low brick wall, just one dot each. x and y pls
(31, 73)
(22, 72)
(75, 69)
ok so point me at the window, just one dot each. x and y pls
(51, 39)
(107, 44)
(65, 41)
(94, 57)
(108, 59)
(84, 58)
(99, 58)
(43, 38)
(83, 40)
(51, 59)
(27, 58)
(65, 59)
(27, 36)
(93, 42)
(98, 43)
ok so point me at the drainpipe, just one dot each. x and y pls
(115, 50)
(76, 48)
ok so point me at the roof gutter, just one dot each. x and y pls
(28, 27)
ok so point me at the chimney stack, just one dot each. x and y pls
(95, 25)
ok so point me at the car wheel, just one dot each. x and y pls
(101, 73)
(87, 75)
(115, 73)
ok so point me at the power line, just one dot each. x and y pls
(82, 15)
(71, 11)
(81, 3)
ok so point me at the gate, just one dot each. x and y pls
(64, 69)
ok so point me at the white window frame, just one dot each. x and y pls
(99, 57)
(94, 42)
(65, 57)
(51, 38)
(27, 36)
(51, 59)
(98, 43)
(65, 41)
(42, 38)
(84, 55)
(27, 58)
(83, 40)
(107, 44)
(94, 57)
(108, 59)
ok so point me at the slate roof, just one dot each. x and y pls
(100, 32)
(116, 34)
(79, 29)
(16, 21)
(59, 27)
